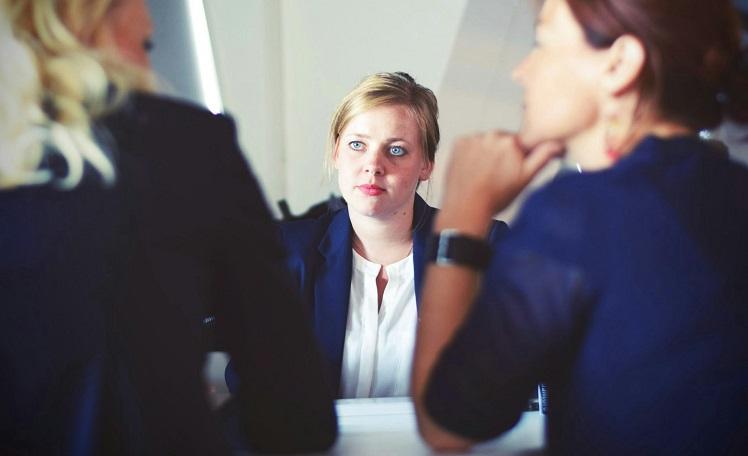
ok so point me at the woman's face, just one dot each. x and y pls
(380, 160)
(560, 78)
(127, 28)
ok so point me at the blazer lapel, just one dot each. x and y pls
(332, 291)
(423, 216)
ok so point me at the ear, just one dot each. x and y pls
(428, 167)
(626, 59)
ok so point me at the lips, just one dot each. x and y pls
(370, 189)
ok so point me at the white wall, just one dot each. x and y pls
(478, 92)
(331, 45)
(284, 65)
(246, 36)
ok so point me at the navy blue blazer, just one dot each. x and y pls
(320, 261)
(626, 291)
(103, 291)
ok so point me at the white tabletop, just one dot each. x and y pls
(388, 427)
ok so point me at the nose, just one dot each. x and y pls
(374, 163)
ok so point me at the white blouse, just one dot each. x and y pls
(378, 350)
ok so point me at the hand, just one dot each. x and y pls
(488, 170)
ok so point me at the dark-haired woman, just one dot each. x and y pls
(622, 287)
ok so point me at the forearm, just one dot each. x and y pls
(486, 173)
(448, 294)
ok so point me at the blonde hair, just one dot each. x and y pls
(385, 89)
(58, 85)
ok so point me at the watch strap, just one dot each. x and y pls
(451, 247)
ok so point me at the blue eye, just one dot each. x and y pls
(356, 145)
(397, 151)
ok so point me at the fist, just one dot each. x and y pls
(488, 170)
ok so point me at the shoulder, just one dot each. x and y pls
(145, 122)
(302, 236)
(569, 195)
(297, 233)
(556, 218)
(170, 111)
(178, 142)
(423, 216)
(427, 214)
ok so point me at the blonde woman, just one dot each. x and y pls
(360, 268)
(125, 219)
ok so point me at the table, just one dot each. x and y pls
(387, 426)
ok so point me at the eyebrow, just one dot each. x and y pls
(388, 140)
(357, 135)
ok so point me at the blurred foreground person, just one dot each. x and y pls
(125, 219)
(623, 286)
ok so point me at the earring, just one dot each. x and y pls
(614, 133)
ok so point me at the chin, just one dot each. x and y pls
(530, 138)
(367, 210)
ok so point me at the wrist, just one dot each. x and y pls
(451, 247)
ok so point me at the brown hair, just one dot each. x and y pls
(382, 89)
(696, 72)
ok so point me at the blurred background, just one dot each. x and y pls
(280, 67)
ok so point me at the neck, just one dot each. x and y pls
(383, 240)
(588, 149)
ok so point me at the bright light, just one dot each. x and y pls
(204, 54)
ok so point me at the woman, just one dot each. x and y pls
(360, 268)
(126, 218)
(623, 286)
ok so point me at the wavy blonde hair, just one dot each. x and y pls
(58, 84)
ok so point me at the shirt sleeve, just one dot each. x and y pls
(527, 319)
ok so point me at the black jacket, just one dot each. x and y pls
(104, 292)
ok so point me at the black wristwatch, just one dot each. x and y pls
(450, 247)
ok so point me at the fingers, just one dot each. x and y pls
(490, 169)
(486, 169)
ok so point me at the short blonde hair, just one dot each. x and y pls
(385, 89)
(63, 85)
